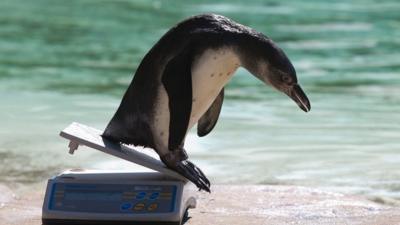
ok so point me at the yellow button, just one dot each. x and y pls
(152, 207)
(139, 206)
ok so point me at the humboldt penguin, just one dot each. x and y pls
(180, 82)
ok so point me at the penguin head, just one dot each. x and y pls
(271, 65)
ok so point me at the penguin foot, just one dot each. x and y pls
(187, 169)
(194, 174)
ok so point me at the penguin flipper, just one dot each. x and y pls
(177, 80)
(208, 121)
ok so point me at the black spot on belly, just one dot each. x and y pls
(220, 74)
(212, 75)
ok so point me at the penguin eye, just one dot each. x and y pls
(287, 79)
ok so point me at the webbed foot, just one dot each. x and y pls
(177, 161)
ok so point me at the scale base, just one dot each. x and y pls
(110, 197)
(115, 197)
(100, 222)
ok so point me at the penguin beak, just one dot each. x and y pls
(298, 95)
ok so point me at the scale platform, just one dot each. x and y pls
(111, 197)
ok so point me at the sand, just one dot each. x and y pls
(234, 204)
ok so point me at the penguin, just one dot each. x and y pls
(180, 83)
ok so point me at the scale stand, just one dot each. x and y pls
(106, 197)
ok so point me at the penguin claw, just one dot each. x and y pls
(177, 161)
(194, 174)
(198, 170)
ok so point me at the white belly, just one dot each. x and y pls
(210, 72)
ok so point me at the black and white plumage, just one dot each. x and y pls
(180, 82)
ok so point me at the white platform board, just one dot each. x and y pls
(80, 134)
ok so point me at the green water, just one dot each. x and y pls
(63, 61)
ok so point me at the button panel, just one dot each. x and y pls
(113, 198)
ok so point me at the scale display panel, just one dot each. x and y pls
(111, 198)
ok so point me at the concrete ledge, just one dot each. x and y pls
(287, 205)
(244, 204)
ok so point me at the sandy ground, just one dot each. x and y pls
(245, 204)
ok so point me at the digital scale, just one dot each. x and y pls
(107, 197)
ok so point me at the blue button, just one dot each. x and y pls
(141, 195)
(154, 195)
(126, 206)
